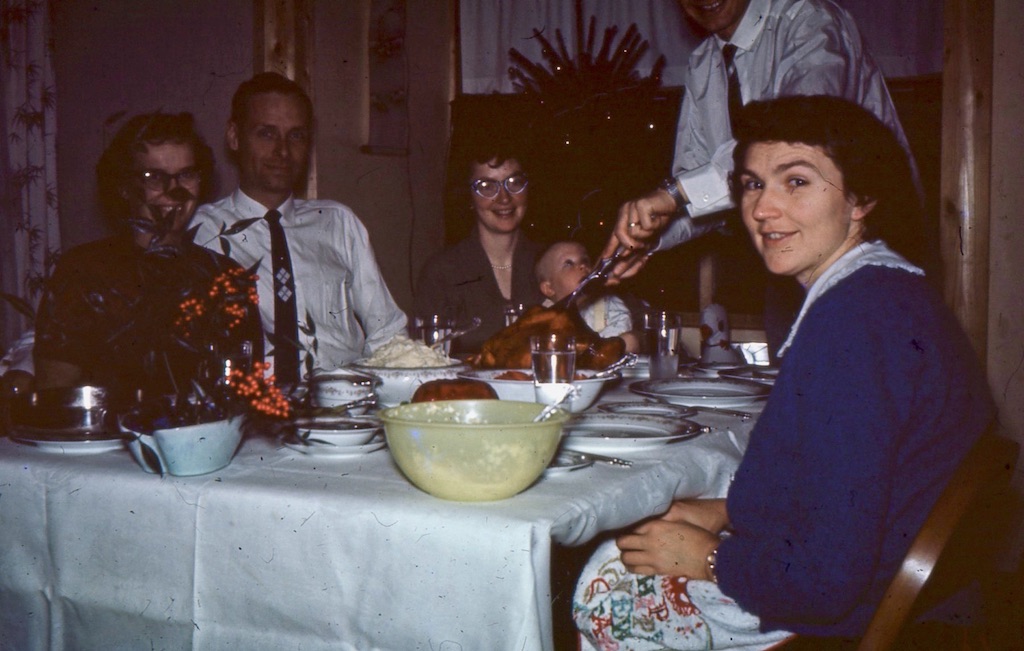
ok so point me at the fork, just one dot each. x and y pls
(615, 461)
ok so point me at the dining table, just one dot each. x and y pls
(285, 550)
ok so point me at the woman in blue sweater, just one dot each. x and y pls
(878, 399)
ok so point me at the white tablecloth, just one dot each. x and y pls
(284, 551)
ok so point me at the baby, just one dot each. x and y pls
(559, 270)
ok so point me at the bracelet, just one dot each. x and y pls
(712, 561)
(669, 185)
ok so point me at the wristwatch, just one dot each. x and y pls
(669, 185)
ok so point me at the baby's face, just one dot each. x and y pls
(569, 264)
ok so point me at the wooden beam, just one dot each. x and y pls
(966, 164)
(283, 43)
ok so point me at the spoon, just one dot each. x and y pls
(457, 333)
(570, 392)
(368, 401)
(627, 360)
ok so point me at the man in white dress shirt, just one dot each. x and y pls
(343, 306)
(782, 47)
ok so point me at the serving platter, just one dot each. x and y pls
(604, 433)
(704, 392)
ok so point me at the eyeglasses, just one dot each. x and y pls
(488, 189)
(159, 180)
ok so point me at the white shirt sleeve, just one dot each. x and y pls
(786, 47)
(19, 355)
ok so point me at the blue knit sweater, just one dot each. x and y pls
(878, 399)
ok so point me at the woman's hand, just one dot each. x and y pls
(637, 228)
(671, 548)
(706, 514)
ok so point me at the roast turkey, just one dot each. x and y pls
(510, 348)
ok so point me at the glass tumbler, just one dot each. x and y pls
(554, 365)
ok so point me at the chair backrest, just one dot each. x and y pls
(989, 464)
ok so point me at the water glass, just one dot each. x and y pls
(664, 332)
(512, 313)
(554, 366)
(431, 328)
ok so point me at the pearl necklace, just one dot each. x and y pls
(502, 267)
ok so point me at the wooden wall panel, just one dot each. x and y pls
(966, 164)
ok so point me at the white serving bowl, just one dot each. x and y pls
(340, 387)
(589, 388)
(472, 450)
(397, 385)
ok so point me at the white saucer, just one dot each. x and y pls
(73, 447)
(336, 451)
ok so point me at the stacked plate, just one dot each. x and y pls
(337, 437)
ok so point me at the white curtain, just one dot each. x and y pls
(29, 228)
(905, 36)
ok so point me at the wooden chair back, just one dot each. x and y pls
(975, 490)
(989, 465)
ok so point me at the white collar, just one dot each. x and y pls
(865, 254)
(246, 205)
(753, 21)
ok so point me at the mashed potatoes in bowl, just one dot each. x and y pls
(402, 365)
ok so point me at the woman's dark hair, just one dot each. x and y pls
(117, 163)
(874, 164)
(268, 82)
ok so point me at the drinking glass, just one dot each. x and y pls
(512, 313)
(664, 332)
(431, 328)
(554, 366)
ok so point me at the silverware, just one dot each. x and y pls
(600, 270)
(570, 392)
(368, 401)
(628, 360)
(723, 412)
(457, 333)
(614, 461)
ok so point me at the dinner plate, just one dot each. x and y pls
(716, 369)
(704, 392)
(329, 450)
(602, 433)
(567, 461)
(665, 409)
(763, 374)
(94, 446)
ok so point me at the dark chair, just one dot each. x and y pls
(970, 499)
